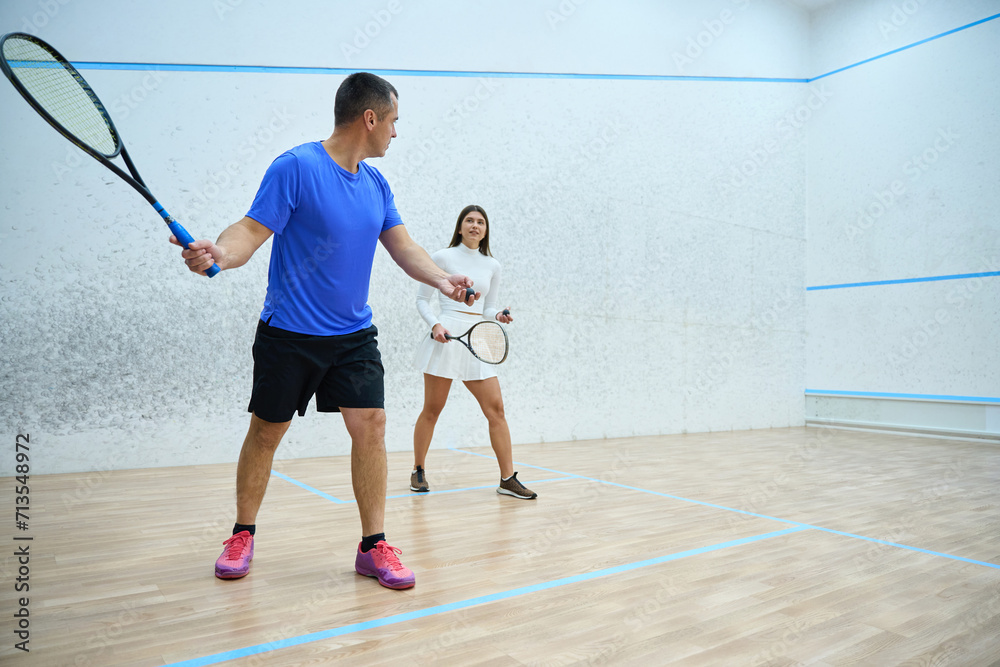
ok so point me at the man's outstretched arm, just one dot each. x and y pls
(236, 245)
(417, 264)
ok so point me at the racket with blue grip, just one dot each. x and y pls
(60, 95)
(183, 237)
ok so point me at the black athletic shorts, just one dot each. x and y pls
(289, 368)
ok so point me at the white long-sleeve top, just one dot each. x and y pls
(485, 274)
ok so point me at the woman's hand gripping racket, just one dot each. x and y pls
(62, 97)
(487, 341)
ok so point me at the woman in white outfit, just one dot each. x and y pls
(443, 361)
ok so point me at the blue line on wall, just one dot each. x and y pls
(929, 279)
(342, 71)
(904, 48)
(266, 69)
(886, 394)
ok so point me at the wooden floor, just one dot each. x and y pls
(748, 548)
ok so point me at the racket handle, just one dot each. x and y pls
(186, 239)
(182, 235)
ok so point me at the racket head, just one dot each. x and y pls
(57, 91)
(488, 342)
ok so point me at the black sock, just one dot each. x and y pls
(239, 528)
(368, 543)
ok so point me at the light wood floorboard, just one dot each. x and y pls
(121, 562)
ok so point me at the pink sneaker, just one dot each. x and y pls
(382, 562)
(235, 559)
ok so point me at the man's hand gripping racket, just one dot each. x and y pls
(60, 95)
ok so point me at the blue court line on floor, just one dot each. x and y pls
(754, 514)
(471, 602)
(886, 394)
(319, 493)
(635, 488)
(327, 496)
(901, 546)
(411, 494)
(902, 281)
(904, 48)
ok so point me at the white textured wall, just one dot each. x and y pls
(652, 232)
(904, 183)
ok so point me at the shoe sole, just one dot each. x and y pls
(231, 575)
(505, 492)
(419, 490)
(397, 587)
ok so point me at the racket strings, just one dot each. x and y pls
(489, 342)
(61, 92)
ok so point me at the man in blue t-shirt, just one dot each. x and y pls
(326, 209)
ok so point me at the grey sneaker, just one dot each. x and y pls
(417, 481)
(512, 487)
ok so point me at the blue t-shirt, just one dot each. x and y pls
(326, 223)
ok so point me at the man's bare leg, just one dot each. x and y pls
(254, 468)
(368, 465)
(368, 474)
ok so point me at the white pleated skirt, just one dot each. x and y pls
(452, 359)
